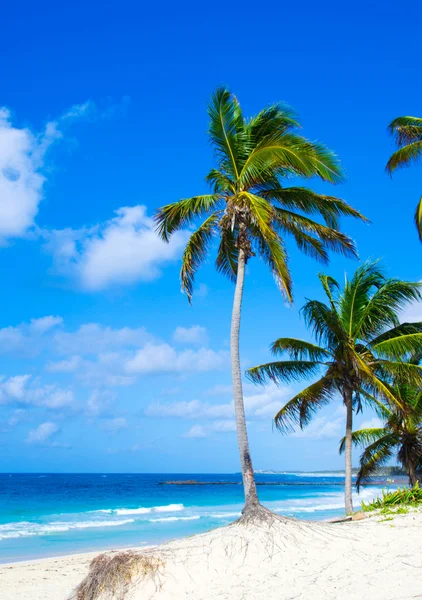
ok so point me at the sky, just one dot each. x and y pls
(104, 365)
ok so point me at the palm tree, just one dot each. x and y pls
(360, 344)
(407, 132)
(401, 434)
(249, 211)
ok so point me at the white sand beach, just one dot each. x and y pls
(374, 558)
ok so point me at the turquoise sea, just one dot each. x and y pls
(54, 514)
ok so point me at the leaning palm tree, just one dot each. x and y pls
(400, 435)
(248, 213)
(360, 347)
(407, 132)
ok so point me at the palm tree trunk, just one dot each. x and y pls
(411, 471)
(251, 497)
(348, 452)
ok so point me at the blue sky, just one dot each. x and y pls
(105, 366)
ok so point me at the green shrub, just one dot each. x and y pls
(407, 496)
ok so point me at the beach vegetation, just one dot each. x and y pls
(112, 575)
(407, 133)
(397, 500)
(361, 347)
(249, 212)
(400, 435)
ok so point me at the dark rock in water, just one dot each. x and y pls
(194, 482)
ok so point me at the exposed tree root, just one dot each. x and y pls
(181, 568)
(111, 576)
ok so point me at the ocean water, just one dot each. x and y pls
(54, 514)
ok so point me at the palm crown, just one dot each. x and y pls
(362, 344)
(407, 132)
(249, 209)
(362, 348)
(401, 434)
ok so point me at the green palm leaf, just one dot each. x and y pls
(374, 456)
(307, 201)
(286, 370)
(180, 214)
(398, 347)
(406, 130)
(364, 437)
(405, 156)
(195, 252)
(418, 218)
(299, 349)
(300, 409)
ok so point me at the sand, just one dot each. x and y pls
(370, 559)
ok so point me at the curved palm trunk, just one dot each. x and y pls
(348, 452)
(251, 497)
(411, 471)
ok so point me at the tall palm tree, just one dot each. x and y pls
(360, 344)
(401, 434)
(249, 212)
(407, 132)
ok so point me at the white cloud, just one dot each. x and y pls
(322, 427)
(193, 409)
(22, 389)
(28, 338)
(191, 335)
(44, 324)
(22, 156)
(202, 431)
(114, 425)
(224, 426)
(163, 358)
(412, 313)
(43, 433)
(196, 431)
(201, 291)
(93, 338)
(219, 390)
(99, 402)
(220, 417)
(68, 365)
(17, 416)
(120, 251)
(374, 423)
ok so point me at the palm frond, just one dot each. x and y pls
(300, 409)
(220, 182)
(395, 332)
(330, 286)
(376, 385)
(227, 256)
(418, 218)
(196, 251)
(225, 128)
(363, 437)
(374, 456)
(324, 323)
(398, 347)
(276, 118)
(381, 409)
(178, 215)
(309, 202)
(299, 349)
(269, 244)
(401, 371)
(331, 238)
(403, 157)
(285, 370)
(406, 130)
(292, 153)
(382, 309)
